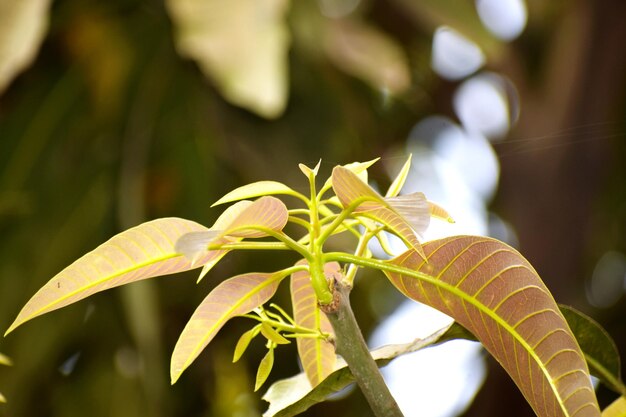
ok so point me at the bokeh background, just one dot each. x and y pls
(113, 113)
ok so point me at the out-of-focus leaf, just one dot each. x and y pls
(599, 348)
(398, 182)
(256, 189)
(23, 25)
(367, 53)
(5, 360)
(239, 221)
(316, 355)
(244, 342)
(271, 334)
(349, 188)
(292, 396)
(616, 409)
(490, 289)
(141, 252)
(241, 44)
(2, 398)
(235, 296)
(265, 367)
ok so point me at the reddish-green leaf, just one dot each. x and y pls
(317, 355)
(490, 289)
(141, 252)
(410, 217)
(244, 219)
(233, 297)
(265, 367)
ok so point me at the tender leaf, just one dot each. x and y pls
(317, 355)
(349, 188)
(241, 44)
(265, 367)
(359, 168)
(271, 334)
(398, 182)
(308, 172)
(239, 221)
(363, 51)
(256, 189)
(414, 208)
(141, 252)
(23, 25)
(598, 347)
(616, 409)
(292, 396)
(439, 212)
(235, 296)
(244, 342)
(490, 289)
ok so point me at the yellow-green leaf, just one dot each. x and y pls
(141, 252)
(265, 367)
(233, 297)
(244, 341)
(398, 182)
(256, 189)
(616, 409)
(271, 334)
(439, 212)
(2, 398)
(5, 360)
(317, 355)
(490, 289)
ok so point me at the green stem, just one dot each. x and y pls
(351, 346)
(250, 246)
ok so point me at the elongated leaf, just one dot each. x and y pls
(244, 341)
(292, 396)
(349, 188)
(239, 221)
(398, 182)
(235, 296)
(265, 367)
(256, 189)
(141, 252)
(317, 355)
(616, 409)
(598, 347)
(490, 289)
(271, 334)
(359, 168)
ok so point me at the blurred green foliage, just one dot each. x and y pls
(110, 127)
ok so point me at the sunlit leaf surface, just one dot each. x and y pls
(23, 25)
(256, 189)
(235, 296)
(141, 252)
(265, 367)
(241, 44)
(616, 409)
(490, 289)
(244, 342)
(349, 188)
(317, 355)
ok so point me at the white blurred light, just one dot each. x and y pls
(454, 56)
(482, 106)
(434, 382)
(607, 281)
(506, 19)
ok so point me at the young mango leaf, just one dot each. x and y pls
(235, 296)
(292, 396)
(256, 189)
(616, 409)
(317, 355)
(308, 172)
(239, 221)
(244, 342)
(598, 347)
(490, 289)
(349, 188)
(265, 367)
(271, 334)
(398, 182)
(141, 252)
(359, 168)
(439, 212)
